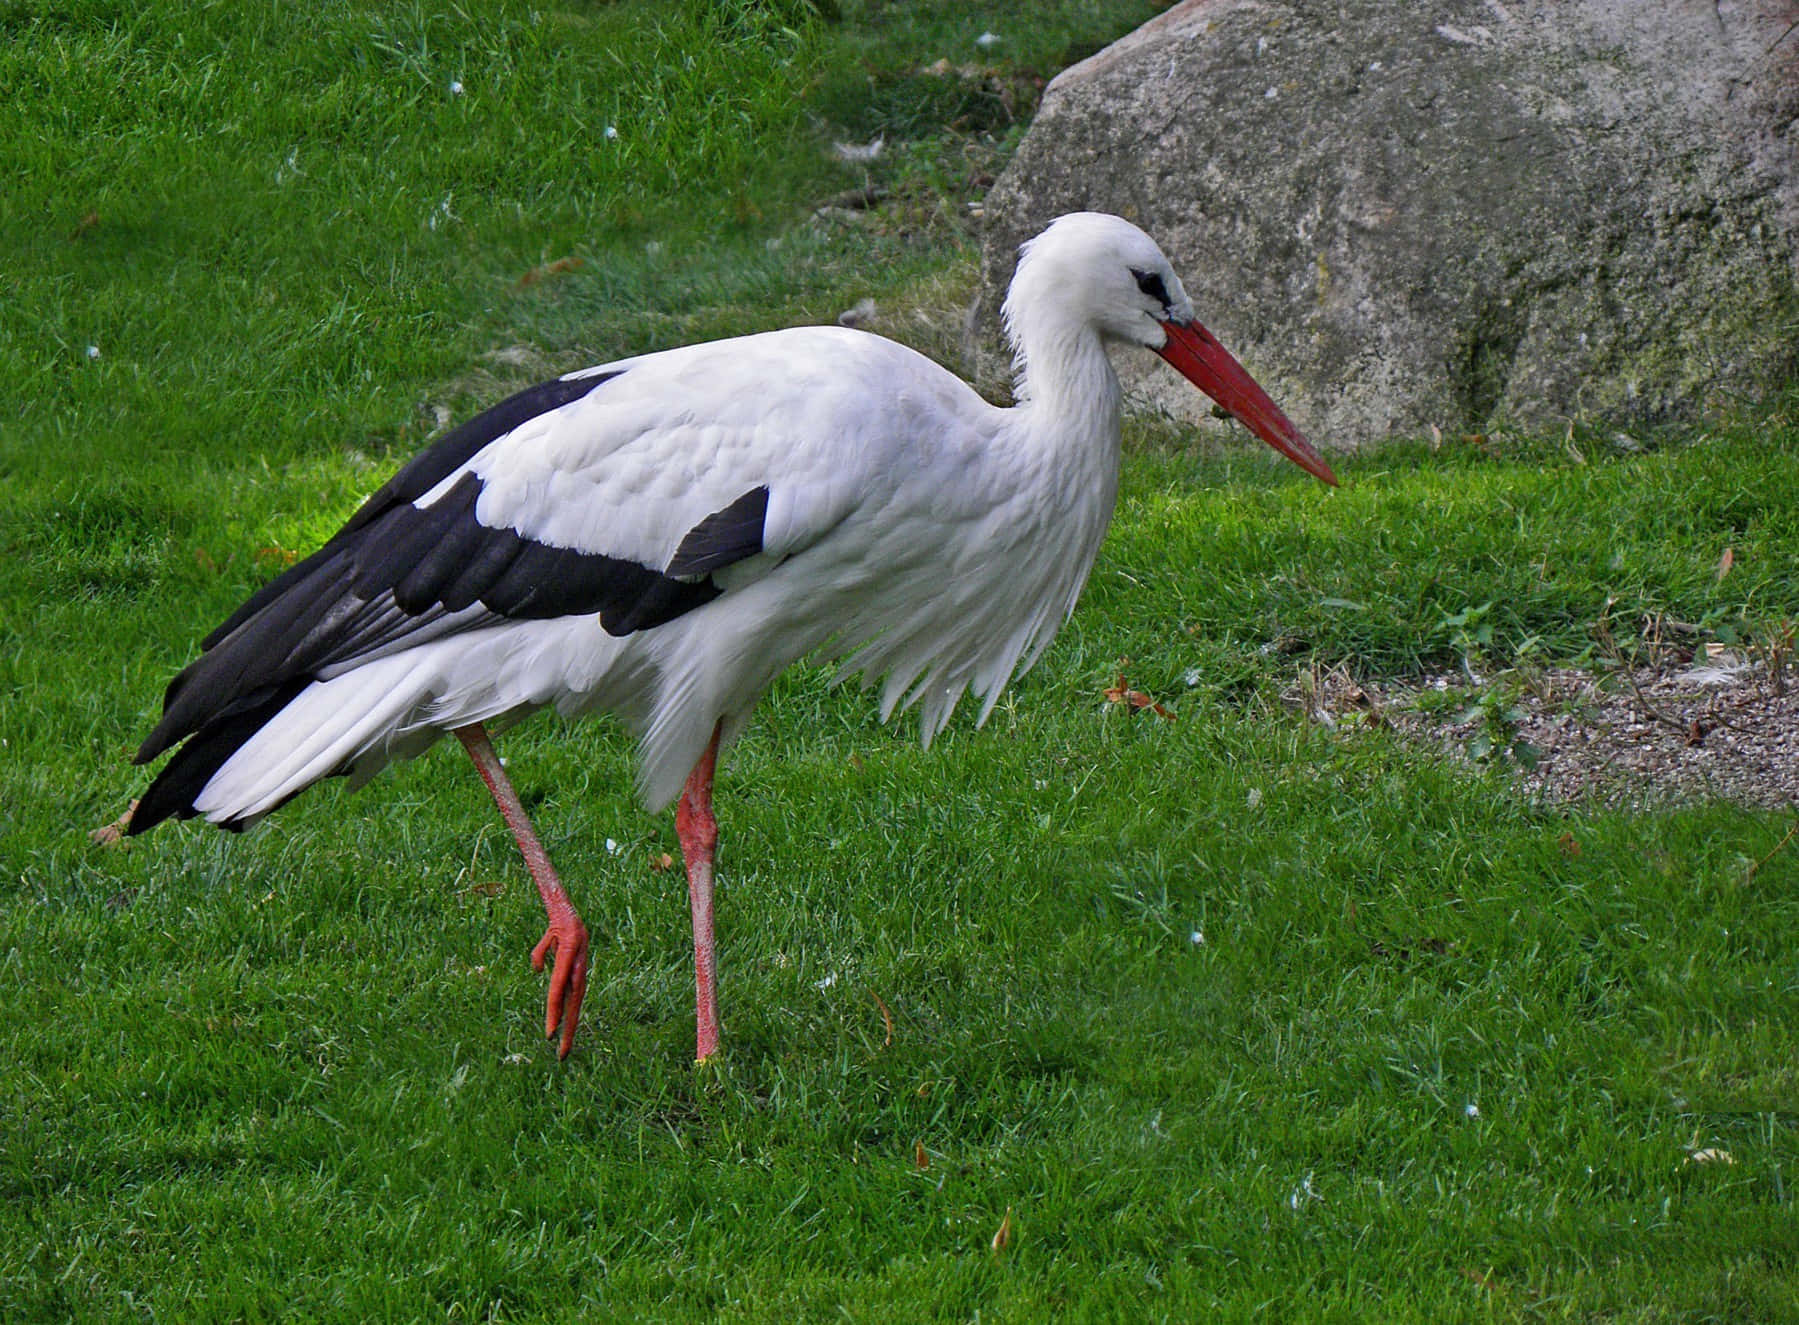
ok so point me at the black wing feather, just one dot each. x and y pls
(724, 537)
(397, 575)
(457, 447)
(422, 473)
(477, 572)
(172, 793)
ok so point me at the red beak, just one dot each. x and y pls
(1198, 357)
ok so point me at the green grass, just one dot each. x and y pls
(1441, 1054)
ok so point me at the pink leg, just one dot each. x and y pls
(698, 831)
(566, 936)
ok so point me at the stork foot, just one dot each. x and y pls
(567, 939)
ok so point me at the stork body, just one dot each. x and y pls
(660, 537)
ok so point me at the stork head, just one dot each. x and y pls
(1088, 269)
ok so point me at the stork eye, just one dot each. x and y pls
(1151, 284)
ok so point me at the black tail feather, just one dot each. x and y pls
(172, 794)
(238, 672)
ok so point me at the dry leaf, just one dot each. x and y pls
(556, 268)
(662, 862)
(1710, 1156)
(1119, 693)
(886, 1018)
(88, 221)
(1002, 1237)
(1726, 561)
(920, 1160)
(280, 556)
(486, 888)
(1569, 846)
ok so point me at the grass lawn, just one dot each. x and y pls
(1221, 1016)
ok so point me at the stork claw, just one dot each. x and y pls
(568, 979)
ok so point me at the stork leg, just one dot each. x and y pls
(698, 831)
(566, 935)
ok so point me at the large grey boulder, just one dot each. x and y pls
(1406, 213)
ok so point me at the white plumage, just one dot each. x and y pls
(659, 537)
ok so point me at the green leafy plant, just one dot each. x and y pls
(1470, 634)
(1496, 719)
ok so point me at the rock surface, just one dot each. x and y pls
(1459, 213)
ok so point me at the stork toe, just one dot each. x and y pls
(568, 978)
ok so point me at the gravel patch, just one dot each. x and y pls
(1723, 728)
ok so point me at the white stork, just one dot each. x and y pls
(659, 537)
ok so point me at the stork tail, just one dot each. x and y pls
(185, 776)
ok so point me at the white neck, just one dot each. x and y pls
(1064, 383)
(1065, 429)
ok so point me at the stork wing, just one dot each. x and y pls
(582, 496)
